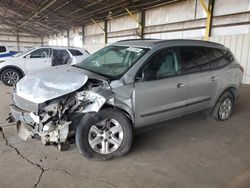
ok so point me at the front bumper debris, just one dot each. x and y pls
(23, 130)
(24, 116)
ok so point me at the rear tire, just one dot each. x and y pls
(104, 135)
(10, 76)
(224, 107)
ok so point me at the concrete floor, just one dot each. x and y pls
(191, 152)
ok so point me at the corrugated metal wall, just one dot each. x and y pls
(21, 43)
(182, 19)
(240, 46)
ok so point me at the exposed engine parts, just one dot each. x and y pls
(51, 122)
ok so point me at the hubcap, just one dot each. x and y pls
(106, 136)
(225, 108)
(11, 77)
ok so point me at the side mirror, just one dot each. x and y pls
(146, 75)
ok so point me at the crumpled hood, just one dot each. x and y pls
(51, 83)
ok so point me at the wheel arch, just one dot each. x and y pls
(231, 89)
(124, 110)
(12, 67)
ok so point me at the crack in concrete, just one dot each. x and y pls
(24, 158)
(62, 170)
(108, 183)
(65, 171)
(43, 170)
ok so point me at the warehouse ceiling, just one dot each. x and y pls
(43, 17)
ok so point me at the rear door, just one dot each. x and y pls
(78, 55)
(160, 88)
(60, 57)
(37, 60)
(202, 83)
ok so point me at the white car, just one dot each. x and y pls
(14, 68)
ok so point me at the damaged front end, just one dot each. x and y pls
(53, 121)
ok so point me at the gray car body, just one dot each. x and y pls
(144, 102)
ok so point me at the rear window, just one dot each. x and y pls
(197, 59)
(219, 57)
(75, 52)
(2, 49)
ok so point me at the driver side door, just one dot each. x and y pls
(160, 88)
(37, 60)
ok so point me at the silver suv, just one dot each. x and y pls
(128, 85)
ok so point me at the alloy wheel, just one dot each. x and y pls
(11, 77)
(106, 136)
(225, 108)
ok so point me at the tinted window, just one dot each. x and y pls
(60, 57)
(218, 57)
(228, 57)
(194, 59)
(2, 49)
(40, 53)
(163, 64)
(75, 52)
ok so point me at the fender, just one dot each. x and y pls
(228, 88)
(13, 67)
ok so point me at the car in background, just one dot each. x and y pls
(14, 68)
(124, 87)
(5, 53)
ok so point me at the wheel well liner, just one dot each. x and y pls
(232, 90)
(124, 111)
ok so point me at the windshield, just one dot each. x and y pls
(112, 61)
(22, 53)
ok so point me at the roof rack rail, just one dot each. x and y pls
(195, 40)
(137, 39)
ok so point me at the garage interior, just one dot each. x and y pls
(193, 151)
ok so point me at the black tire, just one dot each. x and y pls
(222, 98)
(10, 70)
(91, 119)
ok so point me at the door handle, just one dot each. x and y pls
(180, 85)
(213, 78)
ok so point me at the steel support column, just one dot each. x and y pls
(83, 34)
(106, 31)
(68, 44)
(41, 41)
(209, 11)
(103, 29)
(211, 5)
(18, 42)
(141, 22)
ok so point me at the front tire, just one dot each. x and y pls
(10, 76)
(104, 135)
(224, 107)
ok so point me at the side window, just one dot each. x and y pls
(194, 59)
(75, 52)
(40, 53)
(2, 49)
(60, 57)
(161, 65)
(219, 58)
(228, 57)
